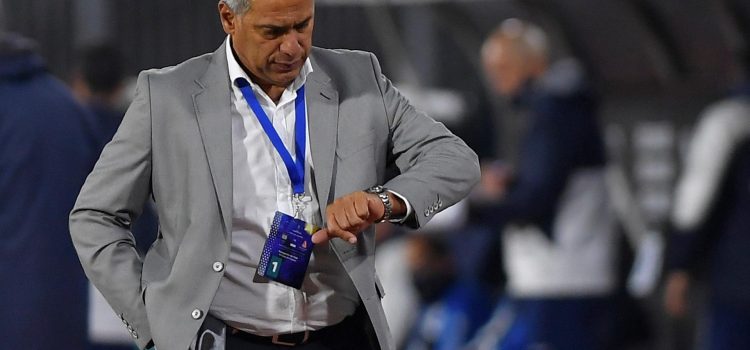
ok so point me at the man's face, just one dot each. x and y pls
(506, 67)
(272, 39)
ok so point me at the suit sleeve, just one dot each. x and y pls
(436, 169)
(109, 202)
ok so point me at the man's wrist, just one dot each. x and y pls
(399, 210)
(385, 198)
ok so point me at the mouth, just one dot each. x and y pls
(285, 67)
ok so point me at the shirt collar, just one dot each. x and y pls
(236, 71)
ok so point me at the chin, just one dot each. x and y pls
(287, 78)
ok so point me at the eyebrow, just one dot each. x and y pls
(275, 27)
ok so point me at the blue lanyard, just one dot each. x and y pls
(295, 168)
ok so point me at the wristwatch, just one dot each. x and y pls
(383, 195)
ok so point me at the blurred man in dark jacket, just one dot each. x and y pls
(554, 210)
(99, 83)
(712, 225)
(47, 150)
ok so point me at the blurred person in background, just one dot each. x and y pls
(48, 147)
(558, 228)
(711, 220)
(453, 305)
(98, 82)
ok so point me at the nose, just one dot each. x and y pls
(291, 45)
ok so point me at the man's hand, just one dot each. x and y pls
(354, 213)
(495, 180)
(676, 294)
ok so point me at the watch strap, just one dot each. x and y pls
(382, 194)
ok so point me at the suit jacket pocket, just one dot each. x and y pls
(379, 287)
(144, 285)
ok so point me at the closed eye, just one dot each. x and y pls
(301, 26)
(273, 32)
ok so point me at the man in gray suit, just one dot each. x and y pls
(197, 139)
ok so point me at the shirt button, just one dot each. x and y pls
(197, 314)
(218, 266)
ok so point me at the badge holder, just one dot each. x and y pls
(287, 251)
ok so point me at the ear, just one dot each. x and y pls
(227, 18)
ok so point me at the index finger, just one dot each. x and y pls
(334, 230)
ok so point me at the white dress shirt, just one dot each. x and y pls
(262, 187)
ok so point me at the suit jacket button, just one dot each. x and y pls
(218, 266)
(197, 314)
(135, 335)
(426, 212)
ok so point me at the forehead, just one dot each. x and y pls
(503, 50)
(280, 12)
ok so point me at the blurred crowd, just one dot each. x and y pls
(576, 273)
(541, 256)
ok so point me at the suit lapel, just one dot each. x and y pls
(323, 116)
(213, 111)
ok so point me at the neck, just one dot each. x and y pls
(273, 91)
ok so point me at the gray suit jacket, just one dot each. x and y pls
(175, 144)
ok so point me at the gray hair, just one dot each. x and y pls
(530, 36)
(238, 6)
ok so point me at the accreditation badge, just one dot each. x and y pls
(287, 251)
